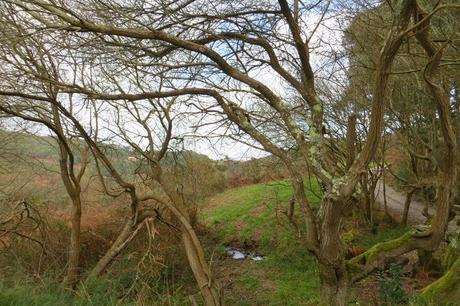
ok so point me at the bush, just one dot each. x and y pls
(391, 290)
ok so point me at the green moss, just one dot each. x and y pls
(452, 252)
(354, 265)
(373, 252)
(367, 239)
(446, 289)
(350, 235)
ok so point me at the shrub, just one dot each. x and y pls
(391, 290)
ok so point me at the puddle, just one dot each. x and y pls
(240, 254)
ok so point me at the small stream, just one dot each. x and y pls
(241, 254)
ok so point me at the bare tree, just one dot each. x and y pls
(218, 52)
(26, 53)
(47, 105)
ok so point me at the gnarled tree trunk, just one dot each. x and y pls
(332, 271)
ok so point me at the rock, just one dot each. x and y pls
(236, 254)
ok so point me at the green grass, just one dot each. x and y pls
(103, 292)
(368, 240)
(24, 294)
(288, 275)
(249, 212)
(249, 281)
(295, 275)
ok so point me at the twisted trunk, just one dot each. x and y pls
(334, 276)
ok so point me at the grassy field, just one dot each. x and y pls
(252, 212)
(252, 218)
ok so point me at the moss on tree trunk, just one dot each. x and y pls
(446, 290)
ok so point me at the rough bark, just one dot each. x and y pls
(334, 285)
(333, 277)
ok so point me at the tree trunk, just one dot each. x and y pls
(407, 206)
(308, 214)
(333, 276)
(384, 189)
(208, 288)
(127, 233)
(333, 285)
(73, 269)
(367, 198)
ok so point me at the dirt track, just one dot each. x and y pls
(395, 204)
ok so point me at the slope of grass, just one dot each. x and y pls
(51, 294)
(254, 216)
(255, 212)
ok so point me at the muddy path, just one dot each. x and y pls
(395, 203)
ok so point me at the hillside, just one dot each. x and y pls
(253, 219)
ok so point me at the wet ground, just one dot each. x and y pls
(239, 254)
